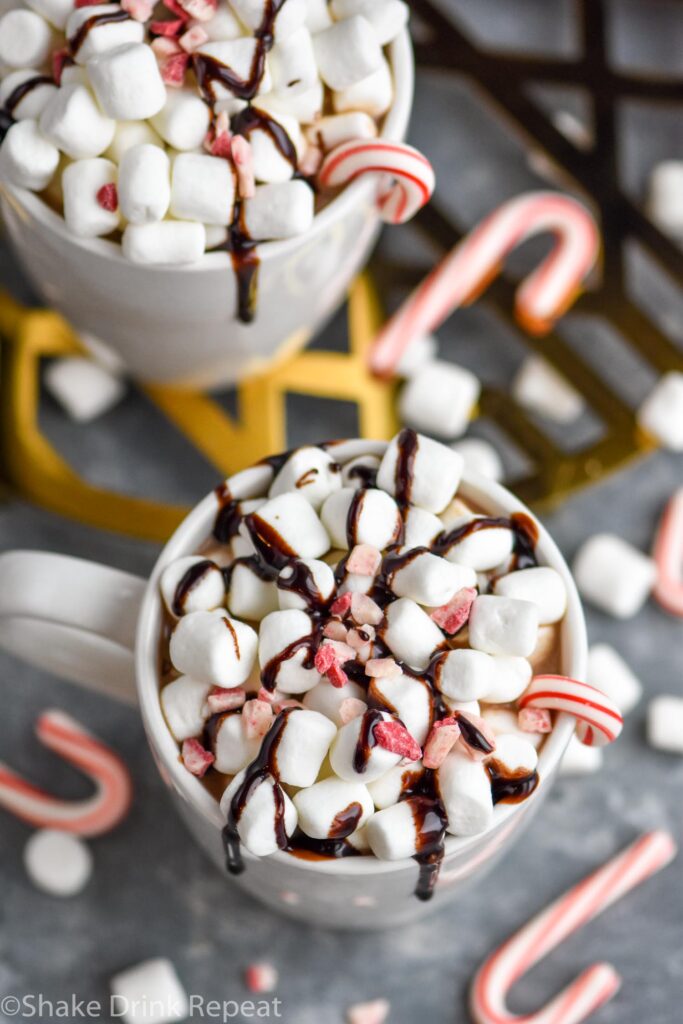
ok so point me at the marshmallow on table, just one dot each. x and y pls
(440, 398)
(482, 549)
(410, 633)
(607, 671)
(580, 759)
(511, 676)
(420, 528)
(541, 585)
(202, 188)
(410, 699)
(58, 863)
(165, 243)
(292, 525)
(661, 414)
(25, 39)
(465, 789)
(434, 473)
(183, 121)
(127, 82)
(32, 103)
(503, 625)
(129, 134)
(387, 17)
(214, 648)
(343, 751)
(388, 789)
(279, 631)
(538, 386)
(665, 724)
(205, 592)
(431, 580)
(73, 122)
(83, 388)
(281, 210)
(309, 471)
(27, 158)
(231, 747)
(374, 94)
(347, 52)
(393, 832)
(103, 36)
(464, 675)
(333, 808)
(81, 184)
(250, 596)
(614, 575)
(480, 457)
(292, 63)
(303, 746)
(334, 129)
(183, 702)
(376, 518)
(149, 992)
(144, 184)
(665, 198)
(321, 576)
(327, 699)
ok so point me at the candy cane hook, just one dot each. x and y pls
(547, 930)
(466, 272)
(599, 720)
(668, 556)
(90, 817)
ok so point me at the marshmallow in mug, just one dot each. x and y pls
(285, 644)
(256, 825)
(354, 517)
(214, 648)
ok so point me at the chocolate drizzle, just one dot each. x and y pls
(366, 739)
(407, 443)
(271, 546)
(301, 581)
(89, 24)
(523, 528)
(23, 89)
(509, 788)
(188, 582)
(430, 821)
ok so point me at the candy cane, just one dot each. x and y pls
(465, 273)
(90, 817)
(599, 719)
(547, 930)
(668, 555)
(411, 175)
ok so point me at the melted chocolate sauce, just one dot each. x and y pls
(524, 529)
(271, 546)
(254, 564)
(252, 119)
(308, 643)
(366, 739)
(17, 95)
(188, 582)
(472, 736)
(405, 465)
(6, 122)
(366, 474)
(86, 28)
(305, 848)
(227, 522)
(510, 789)
(301, 582)
(430, 821)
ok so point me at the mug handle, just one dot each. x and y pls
(73, 618)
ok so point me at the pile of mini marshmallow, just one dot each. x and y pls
(485, 625)
(119, 133)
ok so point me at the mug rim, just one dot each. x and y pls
(394, 128)
(195, 528)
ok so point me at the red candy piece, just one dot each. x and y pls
(86, 3)
(222, 145)
(535, 720)
(441, 740)
(261, 977)
(200, 10)
(257, 718)
(394, 736)
(108, 197)
(452, 616)
(173, 68)
(337, 676)
(195, 758)
(168, 28)
(175, 8)
(139, 10)
(341, 606)
(327, 662)
(364, 560)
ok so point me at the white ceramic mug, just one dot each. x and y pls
(177, 325)
(84, 621)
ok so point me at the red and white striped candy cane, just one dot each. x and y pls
(668, 555)
(406, 176)
(90, 817)
(466, 272)
(547, 930)
(599, 720)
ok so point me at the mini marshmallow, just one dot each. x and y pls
(214, 648)
(309, 471)
(281, 210)
(614, 575)
(127, 82)
(465, 790)
(503, 625)
(538, 386)
(392, 832)
(388, 789)
(440, 399)
(387, 17)
(25, 39)
(290, 17)
(231, 746)
(430, 580)
(327, 699)
(183, 702)
(665, 724)
(511, 676)
(464, 675)
(58, 863)
(347, 52)
(420, 528)
(144, 184)
(81, 184)
(279, 631)
(375, 518)
(409, 698)
(318, 15)
(129, 134)
(306, 107)
(664, 201)
(434, 474)
(203, 591)
(250, 596)
(239, 56)
(202, 188)
(103, 36)
(82, 387)
(482, 549)
(480, 457)
(504, 721)
(332, 808)
(73, 74)
(541, 585)
(322, 578)
(343, 751)
(256, 825)
(334, 129)
(373, 95)
(223, 24)
(183, 121)
(608, 672)
(661, 414)
(579, 759)
(303, 746)
(514, 754)
(296, 528)
(27, 158)
(73, 122)
(30, 105)
(166, 243)
(152, 984)
(54, 11)
(357, 472)
(292, 63)
(410, 633)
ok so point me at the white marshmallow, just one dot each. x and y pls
(57, 863)
(356, 471)
(465, 790)
(321, 807)
(206, 593)
(410, 699)
(540, 387)
(152, 984)
(373, 95)
(482, 549)
(127, 82)
(665, 197)
(183, 702)
(231, 746)
(347, 52)
(387, 790)
(202, 188)
(73, 122)
(334, 129)
(613, 575)
(480, 457)
(290, 17)
(421, 350)
(281, 210)
(392, 832)
(104, 36)
(661, 414)
(436, 473)
(183, 121)
(503, 721)
(250, 596)
(216, 235)
(327, 698)
(54, 11)
(223, 24)
(387, 17)
(456, 513)
(165, 243)
(280, 630)
(665, 724)
(541, 585)
(503, 625)
(297, 529)
(306, 107)
(83, 388)
(239, 56)
(31, 105)
(74, 74)
(303, 746)
(464, 675)
(439, 399)
(469, 707)
(343, 750)
(323, 581)
(269, 162)
(578, 759)
(353, 583)
(410, 633)
(430, 580)
(511, 676)
(25, 39)
(311, 472)
(129, 134)
(376, 518)
(514, 754)
(419, 528)
(81, 182)
(144, 184)
(292, 63)
(214, 648)
(318, 15)
(256, 825)
(608, 672)
(27, 158)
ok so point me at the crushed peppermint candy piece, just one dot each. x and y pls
(382, 668)
(365, 611)
(364, 560)
(60, 60)
(350, 708)
(309, 165)
(374, 1012)
(86, 3)
(257, 716)
(196, 759)
(335, 630)
(336, 675)
(288, 703)
(193, 39)
(221, 699)
(243, 158)
(535, 720)
(342, 606)
(452, 616)
(108, 197)
(270, 696)
(200, 10)
(441, 740)
(139, 10)
(168, 28)
(394, 736)
(261, 977)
